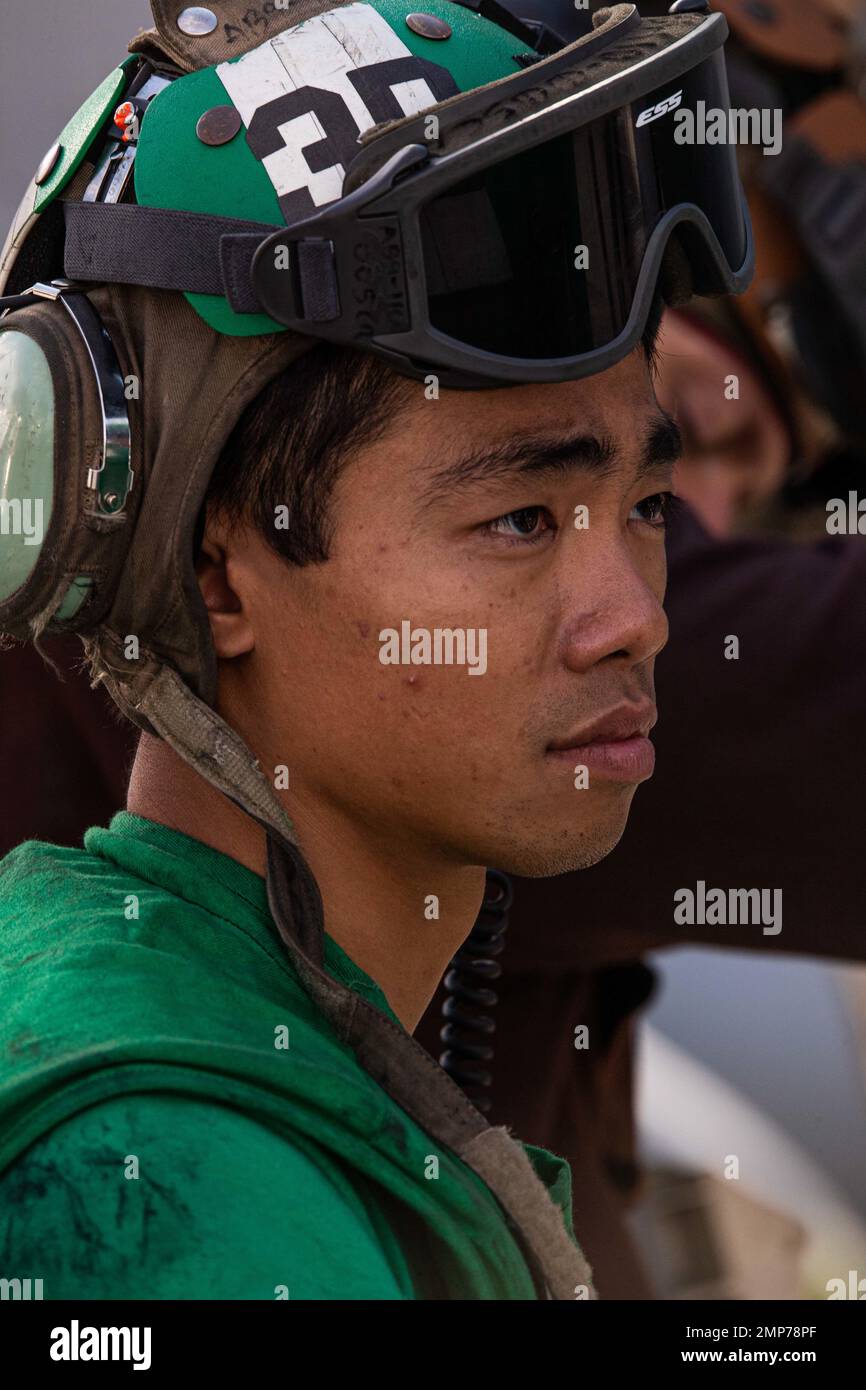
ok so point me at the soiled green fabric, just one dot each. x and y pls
(158, 1139)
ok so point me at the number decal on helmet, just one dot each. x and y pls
(306, 95)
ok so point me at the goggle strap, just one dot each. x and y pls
(198, 253)
(163, 249)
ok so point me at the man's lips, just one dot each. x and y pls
(625, 721)
(615, 746)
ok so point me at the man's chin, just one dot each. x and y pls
(565, 856)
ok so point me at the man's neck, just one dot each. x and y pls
(397, 916)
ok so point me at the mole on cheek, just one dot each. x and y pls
(363, 628)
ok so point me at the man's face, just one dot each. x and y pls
(477, 762)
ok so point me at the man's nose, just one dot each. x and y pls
(613, 612)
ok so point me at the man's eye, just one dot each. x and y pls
(656, 509)
(520, 527)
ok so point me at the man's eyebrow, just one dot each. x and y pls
(539, 453)
(520, 456)
(663, 447)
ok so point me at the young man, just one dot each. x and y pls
(377, 634)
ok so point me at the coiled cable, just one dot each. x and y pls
(469, 1028)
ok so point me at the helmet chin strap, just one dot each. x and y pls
(157, 699)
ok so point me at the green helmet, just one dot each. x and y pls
(369, 63)
(354, 65)
(255, 117)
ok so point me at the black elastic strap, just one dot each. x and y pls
(196, 253)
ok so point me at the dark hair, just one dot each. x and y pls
(290, 444)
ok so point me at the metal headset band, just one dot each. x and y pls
(447, 255)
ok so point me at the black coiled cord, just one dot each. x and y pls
(469, 1030)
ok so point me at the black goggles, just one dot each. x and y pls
(517, 232)
(534, 252)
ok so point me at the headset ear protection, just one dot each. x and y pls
(65, 481)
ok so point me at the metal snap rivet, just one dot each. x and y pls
(218, 125)
(195, 19)
(429, 26)
(47, 163)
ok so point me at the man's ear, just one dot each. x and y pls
(230, 626)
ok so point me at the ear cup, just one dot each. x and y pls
(59, 552)
(27, 403)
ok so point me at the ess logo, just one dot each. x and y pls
(661, 108)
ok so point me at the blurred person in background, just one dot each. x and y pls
(794, 434)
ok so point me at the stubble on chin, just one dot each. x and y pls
(565, 856)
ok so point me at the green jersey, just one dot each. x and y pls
(177, 1118)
